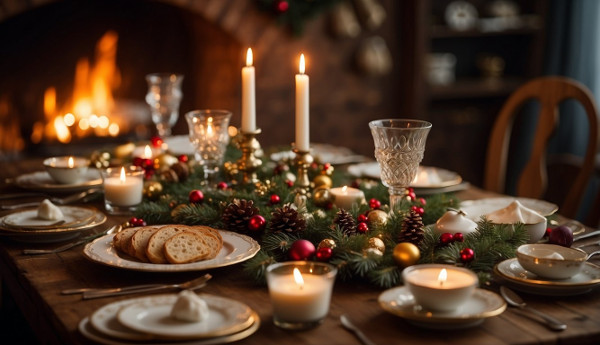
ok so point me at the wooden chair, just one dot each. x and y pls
(532, 181)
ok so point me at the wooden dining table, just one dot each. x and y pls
(35, 283)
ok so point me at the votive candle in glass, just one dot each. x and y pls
(123, 189)
(345, 197)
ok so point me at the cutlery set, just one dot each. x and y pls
(59, 201)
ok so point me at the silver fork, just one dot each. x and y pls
(59, 201)
(191, 285)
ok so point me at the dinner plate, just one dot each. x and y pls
(477, 208)
(151, 315)
(483, 304)
(180, 145)
(28, 218)
(88, 331)
(41, 181)
(324, 153)
(236, 248)
(105, 321)
(427, 177)
(523, 280)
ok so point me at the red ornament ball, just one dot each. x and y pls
(281, 6)
(467, 255)
(274, 199)
(458, 237)
(362, 218)
(222, 185)
(183, 158)
(561, 235)
(289, 183)
(301, 250)
(423, 201)
(156, 141)
(374, 204)
(196, 196)
(446, 238)
(363, 227)
(257, 223)
(324, 253)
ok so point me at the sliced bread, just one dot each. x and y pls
(139, 242)
(212, 237)
(122, 239)
(156, 244)
(186, 247)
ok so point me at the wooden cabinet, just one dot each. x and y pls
(491, 59)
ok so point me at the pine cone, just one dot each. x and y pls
(237, 214)
(287, 219)
(412, 229)
(346, 222)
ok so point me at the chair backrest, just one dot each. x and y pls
(532, 182)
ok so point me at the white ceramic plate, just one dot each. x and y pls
(236, 248)
(41, 181)
(180, 145)
(523, 280)
(73, 217)
(88, 331)
(477, 208)
(483, 304)
(324, 153)
(427, 177)
(104, 320)
(151, 315)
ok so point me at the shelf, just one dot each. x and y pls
(526, 25)
(475, 88)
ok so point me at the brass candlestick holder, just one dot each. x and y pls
(303, 160)
(248, 163)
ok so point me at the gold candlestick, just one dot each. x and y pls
(248, 163)
(303, 160)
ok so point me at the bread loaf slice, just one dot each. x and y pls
(212, 237)
(122, 239)
(186, 247)
(139, 242)
(155, 251)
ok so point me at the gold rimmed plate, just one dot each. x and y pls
(483, 304)
(481, 207)
(521, 279)
(41, 181)
(427, 177)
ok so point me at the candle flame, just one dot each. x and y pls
(147, 152)
(298, 278)
(122, 178)
(249, 59)
(442, 277)
(345, 190)
(302, 63)
(70, 162)
(209, 129)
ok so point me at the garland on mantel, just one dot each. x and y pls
(371, 254)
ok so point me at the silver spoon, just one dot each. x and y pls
(351, 327)
(516, 301)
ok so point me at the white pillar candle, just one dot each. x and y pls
(345, 196)
(124, 189)
(248, 95)
(302, 109)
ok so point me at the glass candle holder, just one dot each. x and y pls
(209, 136)
(399, 148)
(67, 169)
(123, 189)
(300, 293)
(164, 96)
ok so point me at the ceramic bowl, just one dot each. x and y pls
(64, 172)
(551, 261)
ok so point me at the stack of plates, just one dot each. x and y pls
(147, 320)
(41, 181)
(24, 225)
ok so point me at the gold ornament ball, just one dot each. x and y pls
(152, 189)
(377, 243)
(322, 197)
(406, 254)
(323, 181)
(164, 161)
(326, 243)
(373, 252)
(377, 217)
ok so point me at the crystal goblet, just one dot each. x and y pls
(164, 96)
(209, 135)
(399, 148)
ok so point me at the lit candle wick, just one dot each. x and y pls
(249, 57)
(302, 67)
(71, 163)
(345, 190)
(298, 278)
(443, 276)
(122, 177)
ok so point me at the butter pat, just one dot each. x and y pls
(189, 307)
(515, 213)
(47, 210)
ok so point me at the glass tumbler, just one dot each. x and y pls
(164, 96)
(209, 136)
(399, 148)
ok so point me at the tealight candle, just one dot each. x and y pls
(123, 189)
(67, 169)
(300, 292)
(440, 287)
(345, 196)
(145, 152)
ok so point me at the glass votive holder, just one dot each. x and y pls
(440, 287)
(67, 169)
(123, 189)
(300, 293)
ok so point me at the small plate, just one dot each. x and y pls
(151, 315)
(236, 248)
(324, 153)
(427, 177)
(483, 304)
(41, 181)
(523, 280)
(477, 208)
(28, 219)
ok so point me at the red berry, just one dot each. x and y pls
(289, 183)
(326, 166)
(355, 184)
(362, 228)
(274, 199)
(420, 211)
(467, 255)
(183, 158)
(156, 141)
(222, 185)
(281, 6)
(148, 174)
(458, 237)
(138, 161)
(446, 238)
(329, 206)
(548, 231)
(314, 166)
(196, 196)
(374, 204)
(362, 218)
(133, 220)
(257, 223)
(412, 195)
(423, 201)
(148, 163)
(324, 253)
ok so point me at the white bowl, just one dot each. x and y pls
(61, 171)
(551, 261)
